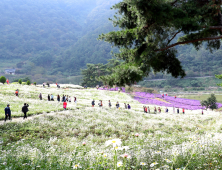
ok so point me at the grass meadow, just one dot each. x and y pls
(104, 138)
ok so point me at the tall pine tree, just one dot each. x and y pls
(149, 35)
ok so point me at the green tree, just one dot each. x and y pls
(151, 29)
(96, 74)
(211, 102)
(2, 79)
(20, 81)
(219, 77)
(91, 74)
(28, 82)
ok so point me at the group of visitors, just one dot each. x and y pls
(63, 98)
(127, 106)
(146, 109)
(8, 111)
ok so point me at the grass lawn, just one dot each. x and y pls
(202, 97)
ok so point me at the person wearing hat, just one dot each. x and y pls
(7, 112)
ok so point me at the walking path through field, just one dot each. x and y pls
(20, 119)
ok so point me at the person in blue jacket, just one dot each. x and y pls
(7, 112)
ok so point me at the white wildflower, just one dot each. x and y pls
(114, 142)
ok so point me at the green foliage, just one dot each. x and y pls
(219, 77)
(96, 74)
(211, 102)
(2, 79)
(28, 82)
(34, 83)
(167, 88)
(20, 81)
(149, 32)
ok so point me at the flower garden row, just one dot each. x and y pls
(168, 101)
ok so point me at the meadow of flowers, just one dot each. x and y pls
(167, 101)
(103, 138)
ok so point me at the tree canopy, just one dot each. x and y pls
(148, 37)
(211, 102)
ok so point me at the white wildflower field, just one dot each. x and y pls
(84, 137)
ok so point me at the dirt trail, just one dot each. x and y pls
(20, 119)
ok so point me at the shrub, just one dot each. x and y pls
(28, 82)
(20, 81)
(2, 79)
(129, 89)
(34, 83)
(148, 90)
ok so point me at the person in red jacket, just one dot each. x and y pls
(64, 105)
(183, 110)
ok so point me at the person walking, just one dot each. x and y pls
(58, 98)
(155, 109)
(75, 100)
(63, 98)
(40, 96)
(125, 105)
(70, 99)
(52, 97)
(48, 97)
(7, 112)
(16, 93)
(148, 109)
(145, 109)
(93, 103)
(25, 110)
(178, 110)
(117, 105)
(129, 107)
(183, 111)
(110, 105)
(64, 105)
(100, 103)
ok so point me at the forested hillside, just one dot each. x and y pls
(53, 36)
(53, 39)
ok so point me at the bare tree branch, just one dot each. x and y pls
(173, 37)
(190, 41)
(174, 2)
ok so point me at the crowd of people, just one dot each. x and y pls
(67, 98)
(146, 109)
(100, 104)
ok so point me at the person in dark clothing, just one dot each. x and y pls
(58, 98)
(110, 104)
(25, 110)
(129, 107)
(125, 105)
(7, 112)
(93, 103)
(117, 105)
(63, 98)
(48, 97)
(40, 96)
(178, 111)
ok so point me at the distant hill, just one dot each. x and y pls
(53, 36)
(53, 39)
